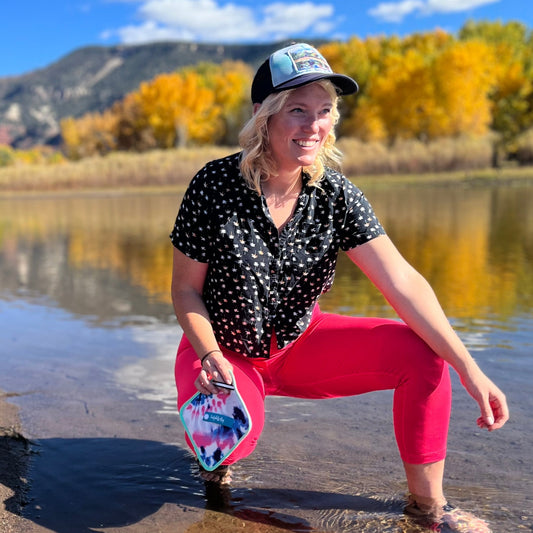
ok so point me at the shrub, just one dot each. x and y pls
(7, 155)
(524, 150)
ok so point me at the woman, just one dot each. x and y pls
(255, 244)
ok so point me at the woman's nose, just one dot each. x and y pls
(311, 123)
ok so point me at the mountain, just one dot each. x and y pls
(90, 79)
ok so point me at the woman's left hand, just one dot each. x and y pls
(491, 400)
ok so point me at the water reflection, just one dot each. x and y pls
(101, 256)
(475, 246)
(109, 256)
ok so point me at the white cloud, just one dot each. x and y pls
(148, 31)
(397, 11)
(454, 6)
(292, 19)
(219, 21)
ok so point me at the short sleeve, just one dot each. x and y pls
(360, 223)
(192, 228)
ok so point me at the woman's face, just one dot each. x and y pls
(299, 130)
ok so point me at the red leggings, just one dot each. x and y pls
(344, 356)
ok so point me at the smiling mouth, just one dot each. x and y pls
(305, 144)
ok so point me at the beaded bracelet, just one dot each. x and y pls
(205, 356)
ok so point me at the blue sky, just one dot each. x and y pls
(35, 33)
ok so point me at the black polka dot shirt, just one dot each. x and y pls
(259, 279)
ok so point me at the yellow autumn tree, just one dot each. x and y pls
(133, 132)
(427, 86)
(396, 92)
(230, 84)
(400, 100)
(353, 59)
(464, 75)
(178, 108)
(71, 137)
(91, 134)
(198, 105)
(512, 97)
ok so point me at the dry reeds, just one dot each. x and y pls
(415, 157)
(176, 167)
(115, 170)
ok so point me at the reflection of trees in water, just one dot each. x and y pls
(35, 265)
(105, 257)
(448, 234)
(45, 269)
(111, 256)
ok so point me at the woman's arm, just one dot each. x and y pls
(188, 277)
(416, 304)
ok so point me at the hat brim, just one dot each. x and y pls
(344, 84)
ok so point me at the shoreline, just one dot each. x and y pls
(466, 179)
(14, 459)
(161, 170)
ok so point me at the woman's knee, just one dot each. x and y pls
(418, 360)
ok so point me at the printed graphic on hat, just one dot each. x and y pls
(293, 61)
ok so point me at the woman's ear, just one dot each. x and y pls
(256, 108)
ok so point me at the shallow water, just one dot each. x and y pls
(88, 342)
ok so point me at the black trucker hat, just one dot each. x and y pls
(294, 66)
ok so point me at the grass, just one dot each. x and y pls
(367, 165)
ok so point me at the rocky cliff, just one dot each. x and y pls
(92, 78)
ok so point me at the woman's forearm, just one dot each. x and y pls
(416, 304)
(188, 278)
(193, 317)
(413, 299)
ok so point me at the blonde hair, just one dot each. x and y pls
(257, 162)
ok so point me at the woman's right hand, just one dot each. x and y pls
(217, 367)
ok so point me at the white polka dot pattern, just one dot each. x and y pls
(260, 280)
